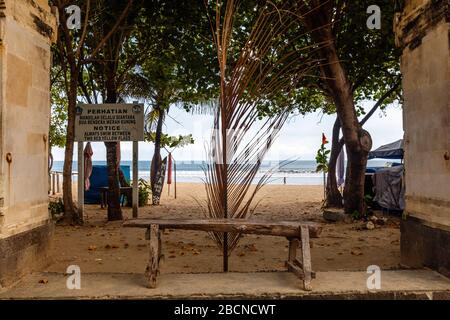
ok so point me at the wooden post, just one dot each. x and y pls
(175, 177)
(53, 183)
(80, 180)
(306, 257)
(57, 182)
(324, 186)
(152, 269)
(293, 246)
(135, 195)
(225, 252)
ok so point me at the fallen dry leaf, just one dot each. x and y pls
(251, 247)
(92, 248)
(43, 281)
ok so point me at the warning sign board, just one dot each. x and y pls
(109, 122)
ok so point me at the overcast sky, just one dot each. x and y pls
(300, 137)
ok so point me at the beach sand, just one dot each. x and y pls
(101, 246)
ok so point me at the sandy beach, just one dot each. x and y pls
(101, 246)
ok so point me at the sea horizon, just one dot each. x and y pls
(291, 172)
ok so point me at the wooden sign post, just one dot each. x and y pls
(80, 182)
(109, 123)
(135, 179)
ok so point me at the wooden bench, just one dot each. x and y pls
(297, 233)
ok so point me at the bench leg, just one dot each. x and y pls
(152, 269)
(306, 257)
(293, 246)
(302, 269)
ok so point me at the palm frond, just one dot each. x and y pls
(266, 70)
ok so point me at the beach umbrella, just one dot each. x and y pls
(87, 165)
(340, 168)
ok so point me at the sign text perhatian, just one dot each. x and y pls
(109, 122)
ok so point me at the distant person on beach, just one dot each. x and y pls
(284, 180)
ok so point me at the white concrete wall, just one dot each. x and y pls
(26, 31)
(426, 85)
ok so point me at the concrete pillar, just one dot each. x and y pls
(27, 29)
(423, 32)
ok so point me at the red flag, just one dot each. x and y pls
(324, 139)
(169, 170)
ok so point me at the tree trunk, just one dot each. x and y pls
(156, 160)
(358, 141)
(70, 212)
(334, 197)
(114, 209)
(355, 177)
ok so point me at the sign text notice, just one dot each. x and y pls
(109, 122)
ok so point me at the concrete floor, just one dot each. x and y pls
(395, 284)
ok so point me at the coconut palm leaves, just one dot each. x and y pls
(263, 73)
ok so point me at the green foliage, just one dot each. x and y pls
(179, 67)
(368, 199)
(170, 141)
(356, 215)
(59, 105)
(56, 209)
(144, 191)
(369, 57)
(322, 158)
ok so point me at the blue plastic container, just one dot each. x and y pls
(99, 179)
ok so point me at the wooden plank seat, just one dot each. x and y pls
(298, 234)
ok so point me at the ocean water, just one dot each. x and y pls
(299, 172)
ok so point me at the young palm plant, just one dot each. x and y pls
(263, 73)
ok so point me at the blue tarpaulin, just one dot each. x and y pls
(392, 150)
(98, 179)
